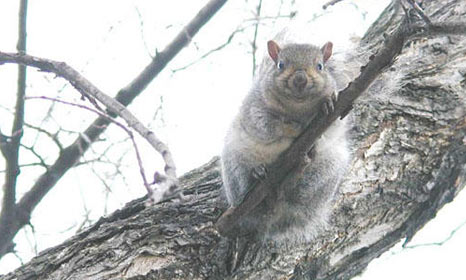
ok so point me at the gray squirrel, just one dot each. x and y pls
(294, 82)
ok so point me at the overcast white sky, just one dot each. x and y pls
(110, 42)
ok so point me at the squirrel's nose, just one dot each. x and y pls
(300, 79)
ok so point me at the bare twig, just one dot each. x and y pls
(33, 242)
(330, 3)
(33, 164)
(39, 157)
(102, 180)
(208, 53)
(159, 111)
(129, 132)
(254, 40)
(256, 21)
(438, 243)
(141, 29)
(272, 18)
(87, 219)
(18, 257)
(52, 136)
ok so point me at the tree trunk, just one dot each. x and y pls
(409, 136)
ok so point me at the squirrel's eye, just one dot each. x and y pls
(280, 65)
(320, 67)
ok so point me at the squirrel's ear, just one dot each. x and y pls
(274, 49)
(327, 50)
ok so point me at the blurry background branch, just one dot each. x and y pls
(70, 155)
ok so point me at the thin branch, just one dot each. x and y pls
(264, 18)
(102, 156)
(39, 157)
(208, 53)
(438, 243)
(141, 29)
(87, 220)
(10, 149)
(48, 114)
(330, 3)
(159, 111)
(18, 257)
(94, 160)
(32, 243)
(254, 41)
(102, 180)
(52, 136)
(256, 21)
(21, 166)
(129, 132)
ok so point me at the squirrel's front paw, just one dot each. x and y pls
(312, 152)
(329, 104)
(259, 172)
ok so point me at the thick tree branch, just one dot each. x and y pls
(71, 154)
(11, 148)
(287, 166)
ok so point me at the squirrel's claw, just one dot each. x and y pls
(312, 152)
(327, 107)
(329, 104)
(259, 172)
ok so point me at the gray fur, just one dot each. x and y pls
(272, 115)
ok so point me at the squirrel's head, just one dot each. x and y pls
(299, 71)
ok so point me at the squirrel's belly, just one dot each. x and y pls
(266, 153)
(256, 150)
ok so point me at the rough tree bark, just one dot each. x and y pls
(409, 160)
